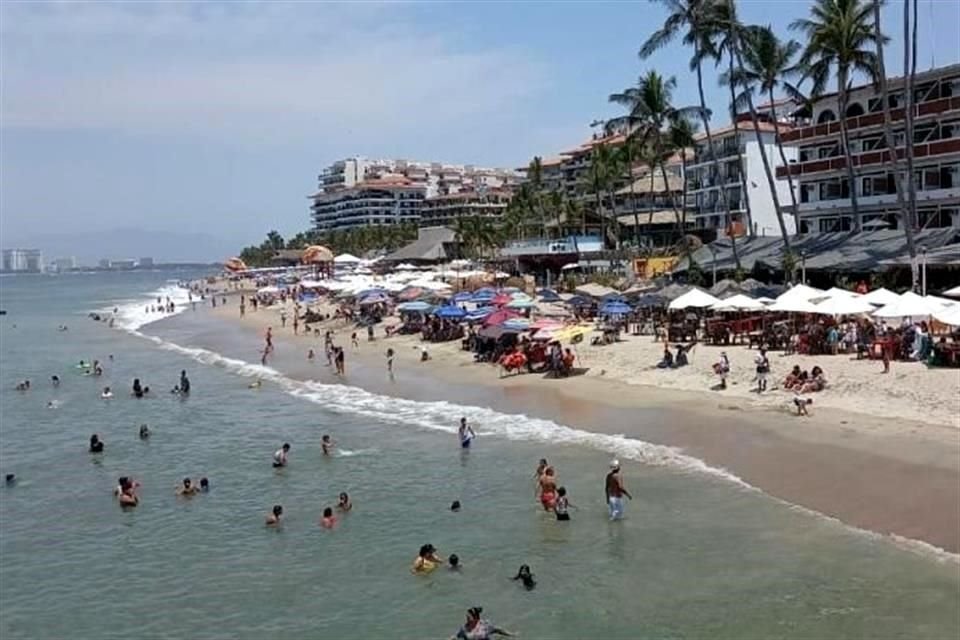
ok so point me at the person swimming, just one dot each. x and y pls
(454, 561)
(476, 628)
(106, 393)
(23, 386)
(144, 432)
(427, 560)
(455, 506)
(526, 577)
(127, 492)
(328, 521)
(10, 479)
(273, 518)
(343, 503)
(326, 445)
(184, 383)
(187, 488)
(466, 434)
(204, 485)
(137, 389)
(280, 456)
(55, 380)
(96, 444)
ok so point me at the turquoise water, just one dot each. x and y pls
(697, 557)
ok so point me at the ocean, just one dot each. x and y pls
(699, 554)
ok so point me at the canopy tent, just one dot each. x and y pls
(880, 297)
(948, 315)
(695, 298)
(953, 293)
(908, 306)
(841, 305)
(793, 304)
(738, 302)
(450, 312)
(346, 258)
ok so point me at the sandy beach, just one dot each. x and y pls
(879, 452)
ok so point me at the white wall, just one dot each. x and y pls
(764, 217)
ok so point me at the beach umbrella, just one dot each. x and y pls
(450, 312)
(518, 324)
(311, 284)
(316, 254)
(520, 304)
(270, 290)
(948, 315)
(346, 258)
(374, 298)
(579, 301)
(235, 264)
(549, 295)
(738, 302)
(462, 296)
(766, 301)
(416, 305)
(478, 314)
(880, 297)
(615, 308)
(908, 306)
(802, 292)
(796, 304)
(834, 292)
(613, 297)
(841, 305)
(502, 299)
(695, 298)
(459, 263)
(545, 323)
(953, 293)
(410, 293)
(498, 317)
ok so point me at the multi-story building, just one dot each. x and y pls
(737, 150)
(145, 262)
(359, 191)
(64, 264)
(23, 260)
(444, 210)
(824, 200)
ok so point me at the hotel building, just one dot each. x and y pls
(824, 201)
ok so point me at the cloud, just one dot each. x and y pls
(270, 72)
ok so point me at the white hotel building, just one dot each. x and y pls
(359, 191)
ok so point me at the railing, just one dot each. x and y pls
(869, 158)
(870, 120)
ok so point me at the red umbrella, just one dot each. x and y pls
(410, 293)
(501, 299)
(497, 318)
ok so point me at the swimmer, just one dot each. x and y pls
(175, 391)
(106, 393)
(255, 384)
(454, 561)
(526, 577)
(144, 432)
(466, 434)
(204, 485)
(455, 506)
(137, 390)
(475, 628)
(273, 518)
(96, 444)
(562, 506)
(187, 489)
(427, 560)
(55, 380)
(328, 521)
(23, 386)
(10, 479)
(327, 445)
(280, 456)
(343, 503)
(541, 466)
(128, 498)
(53, 404)
(184, 383)
(98, 371)
(547, 489)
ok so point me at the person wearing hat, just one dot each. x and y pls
(615, 491)
(476, 628)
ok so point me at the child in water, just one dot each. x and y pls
(326, 445)
(525, 576)
(562, 505)
(328, 521)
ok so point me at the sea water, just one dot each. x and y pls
(699, 555)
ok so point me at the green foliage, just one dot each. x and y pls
(695, 274)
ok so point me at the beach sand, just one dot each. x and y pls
(880, 452)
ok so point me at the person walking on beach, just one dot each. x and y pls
(390, 361)
(466, 434)
(615, 491)
(339, 361)
(283, 319)
(310, 355)
(243, 306)
(763, 368)
(354, 341)
(296, 322)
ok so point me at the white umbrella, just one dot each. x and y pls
(953, 293)
(693, 298)
(346, 258)
(949, 315)
(739, 302)
(843, 306)
(880, 297)
(796, 304)
(837, 292)
(801, 292)
(765, 300)
(310, 284)
(909, 305)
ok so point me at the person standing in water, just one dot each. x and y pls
(280, 456)
(390, 361)
(273, 518)
(615, 491)
(547, 489)
(466, 434)
(562, 506)
(184, 383)
(326, 445)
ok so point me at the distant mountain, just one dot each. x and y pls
(162, 246)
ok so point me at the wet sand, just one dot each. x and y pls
(892, 477)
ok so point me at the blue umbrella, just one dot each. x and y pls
(479, 314)
(615, 308)
(370, 292)
(483, 296)
(579, 301)
(549, 295)
(449, 311)
(415, 306)
(613, 297)
(462, 296)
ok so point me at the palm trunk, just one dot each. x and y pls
(683, 195)
(603, 226)
(771, 181)
(715, 163)
(888, 136)
(786, 165)
(909, 71)
(744, 193)
(633, 194)
(673, 203)
(845, 143)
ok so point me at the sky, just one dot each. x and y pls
(198, 127)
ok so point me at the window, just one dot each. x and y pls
(950, 176)
(804, 193)
(828, 152)
(826, 225)
(854, 110)
(835, 189)
(876, 185)
(928, 178)
(826, 116)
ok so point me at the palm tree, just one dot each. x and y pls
(697, 19)
(905, 217)
(839, 34)
(682, 131)
(598, 176)
(555, 200)
(535, 176)
(767, 61)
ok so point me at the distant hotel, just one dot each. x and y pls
(23, 260)
(358, 192)
(824, 200)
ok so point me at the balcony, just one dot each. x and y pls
(934, 107)
(938, 148)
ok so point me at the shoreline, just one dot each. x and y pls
(891, 477)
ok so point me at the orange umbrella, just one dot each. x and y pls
(316, 254)
(235, 264)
